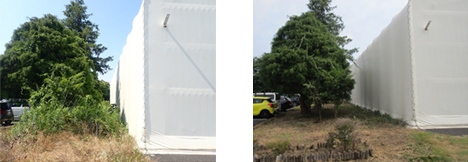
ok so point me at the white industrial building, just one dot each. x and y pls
(165, 82)
(417, 68)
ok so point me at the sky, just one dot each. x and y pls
(364, 20)
(114, 20)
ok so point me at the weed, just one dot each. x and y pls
(68, 146)
(60, 104)
(371, 118)
(345, 132)
(278, 147)
(427, 149)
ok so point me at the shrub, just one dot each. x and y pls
(345, 132)
(63, 104)
(278, 147)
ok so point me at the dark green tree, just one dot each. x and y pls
(334, 23)
(77, 20)
(37, 48)
(104, 88)
(305, 59)
(258, 86)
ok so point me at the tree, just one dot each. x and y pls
(36, 49)
(77, 20)
(258, 86)
(305, 59)
(104, 88)
(323, 12)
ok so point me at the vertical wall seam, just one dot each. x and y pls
(144, 76)
(412, 66)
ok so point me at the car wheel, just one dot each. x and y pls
(8, 122)
(265, 114)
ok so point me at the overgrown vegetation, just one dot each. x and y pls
(61, 104)
(40, 45)
(436, 147)
(388, 137)
(55, 63)
(68, 146)
(345, 132)
(63, 117)
(278, 147)
(370, 118)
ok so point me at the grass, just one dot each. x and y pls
(437, 147)
(68, 146)
(389, 138)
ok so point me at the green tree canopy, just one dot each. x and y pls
(104, 88)
(323, 12)
(305, 59)
(258, 86)
(36, 49)
(77, 20)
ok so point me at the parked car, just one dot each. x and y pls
(6, 113)
(273, 95)
(286, 103)
(263, 107)
(295, 100)
(19, 108)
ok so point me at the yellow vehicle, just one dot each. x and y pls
(263, 107)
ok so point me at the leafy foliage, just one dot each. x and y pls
(258, 85)
(62, 104)
(323, 12)
(36, 48)
(43, 44)
(77, 20)
(104, 88)
(55, 63)
(305, 59)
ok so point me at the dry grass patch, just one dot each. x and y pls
(67, 146)
(389, 138)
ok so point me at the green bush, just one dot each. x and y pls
(278, 147)
(63, 104)
(345, 132)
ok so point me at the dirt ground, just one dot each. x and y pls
(389, 140)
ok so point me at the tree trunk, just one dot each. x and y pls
(305, 108)
(318, 106)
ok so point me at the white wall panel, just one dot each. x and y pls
(166, 79)
(415, 74)
(441, 56)
(383, 79)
